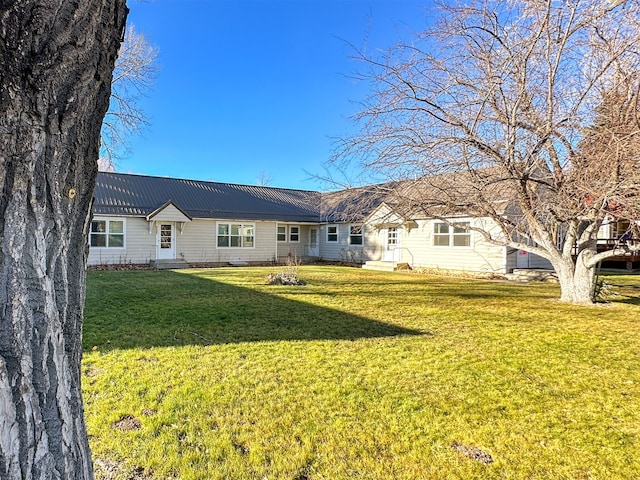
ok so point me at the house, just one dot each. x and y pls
(141, 219)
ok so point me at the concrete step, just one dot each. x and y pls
(532, 275)
(172, 264)
(385, 266)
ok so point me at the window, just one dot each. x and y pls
(294, 234)
(107, 233)
(235, 235)
(461, 234)
(355, 234)
(166, 234)
(441, 235)
(455, 235)
(332, 233)
(282, 233)
(392, 238)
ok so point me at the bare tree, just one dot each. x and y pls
(264, 179)
(57, 60)
(133, 76)
(495, 111)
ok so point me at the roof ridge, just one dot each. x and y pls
(266, 187)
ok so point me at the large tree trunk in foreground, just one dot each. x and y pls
(577, 281)
(57, 60)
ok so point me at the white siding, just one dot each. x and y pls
(198, 240)
(415, 244)
(170, 214)
(342, 250)
(197, 243)
(140, 245)
(288, 248)
(419, 251)
(331, 250)
(373, 244)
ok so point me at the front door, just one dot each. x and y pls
(165, 241)
(522, 260)
(391, 245)
(314, 251)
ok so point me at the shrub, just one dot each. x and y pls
(288, 276)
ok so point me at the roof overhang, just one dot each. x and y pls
(168, 212)
(384, 217)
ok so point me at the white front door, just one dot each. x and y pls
(314, 251)
(166, 241)
(391, 245)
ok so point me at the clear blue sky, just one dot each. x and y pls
(253, 88)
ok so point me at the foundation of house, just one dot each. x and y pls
(385, 266)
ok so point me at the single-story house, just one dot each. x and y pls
(141, 219)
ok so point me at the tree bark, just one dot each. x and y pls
(577, 279)
(57, 62)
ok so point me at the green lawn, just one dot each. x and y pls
(213, 374)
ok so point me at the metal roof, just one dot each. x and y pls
(140, 195)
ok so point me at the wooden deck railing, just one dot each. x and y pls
(631, 244)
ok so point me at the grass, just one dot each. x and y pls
(212, 374)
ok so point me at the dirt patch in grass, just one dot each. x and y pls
(127, 423)
(106, 469)
(474, 453)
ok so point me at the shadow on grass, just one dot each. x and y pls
(625, 287)
(160, 309)
(630, 300)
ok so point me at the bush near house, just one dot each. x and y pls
(215, 374)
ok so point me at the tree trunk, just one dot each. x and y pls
(577, 279)
(57, 61)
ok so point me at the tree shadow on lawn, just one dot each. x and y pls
(628, 300)
(160, 309)
(627, 293)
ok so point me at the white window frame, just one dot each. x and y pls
(241, 236)
(329, 228)
(107, 233)
(451, 234)
(438, 234)
(281, 237)
(291, 234)
(360, 235)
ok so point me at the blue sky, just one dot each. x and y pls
(253, 89)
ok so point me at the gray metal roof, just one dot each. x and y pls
(140, 195)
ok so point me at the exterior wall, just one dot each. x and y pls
(519, 259)
(536, 261)
(288, 248)
(374, 243)
(416, 247)
(140, 246)
(342, 250)
(198, 243)
(170, 214)
(331, 250)
(419, 250)
(511, 258)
